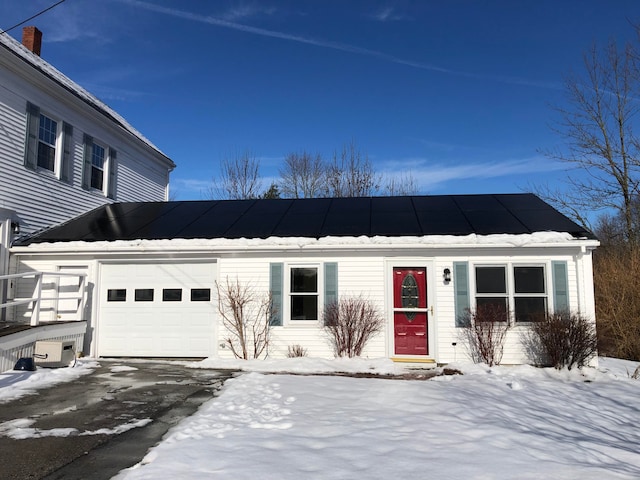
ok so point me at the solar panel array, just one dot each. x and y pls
(315, 218)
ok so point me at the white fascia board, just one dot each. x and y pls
(273, 244)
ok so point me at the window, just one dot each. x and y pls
(97, 166)
(117, 295)
(200, 294)
(530, 299)
(491, 287)
(304, 293)
(527, 297)
(171, 294)
(47, 137)
(144, 295)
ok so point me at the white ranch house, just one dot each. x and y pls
(151, 270)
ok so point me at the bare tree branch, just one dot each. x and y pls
(239, 178)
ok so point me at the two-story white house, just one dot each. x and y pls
(62, 151)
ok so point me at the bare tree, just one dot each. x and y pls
(246, 315)
(239, 178)
(403, 184)
(303, 176)
(351, 174)
(602, 149)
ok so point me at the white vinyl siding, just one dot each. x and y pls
(362, 275)
(358, 273)
(42, 199)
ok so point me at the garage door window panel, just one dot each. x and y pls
(200, 294)
(117, 295)
(172, 295)
(144, 295)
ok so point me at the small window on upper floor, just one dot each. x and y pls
(97, 166)
(48, 144)
(47, 139)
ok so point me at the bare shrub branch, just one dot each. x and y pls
(350, 323)
(485, 332)
(617, 287)
(294, 351)
(563, 339)
(246, 316)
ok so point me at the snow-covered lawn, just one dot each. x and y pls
(490, 423)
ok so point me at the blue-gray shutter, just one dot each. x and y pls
(330, 283)
(113, 165)
(560, 286)
(461, 292)
(86, 161)
(276, 284)
(31, 140)
(66, 173)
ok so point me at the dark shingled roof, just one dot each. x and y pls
(315, 218)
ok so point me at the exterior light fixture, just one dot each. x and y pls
(446, 275)
(15, 228)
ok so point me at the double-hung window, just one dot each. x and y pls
(47, 139)
(304, 293)
(518, 289)
(530, 295)
(48, 144)
(97, 166)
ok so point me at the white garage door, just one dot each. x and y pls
(157, 310)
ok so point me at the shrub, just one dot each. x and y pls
(485, 332)
(616, 285)
(562, 339)
(246, 315)
(294, 351)
(350, 323)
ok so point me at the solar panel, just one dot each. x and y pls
(313, 218)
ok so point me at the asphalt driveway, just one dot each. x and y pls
(156, 394)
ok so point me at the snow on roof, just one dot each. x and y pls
(65, 82)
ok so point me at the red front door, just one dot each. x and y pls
(410, 311)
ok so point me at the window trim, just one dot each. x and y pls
(288, 294)
(511, 294)
(108, 167)
(57, 144)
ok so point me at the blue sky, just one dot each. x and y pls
(457, 92)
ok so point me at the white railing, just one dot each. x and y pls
(37, 293)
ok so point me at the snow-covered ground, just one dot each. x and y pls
(490, 423)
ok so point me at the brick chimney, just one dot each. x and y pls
(32, 39)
